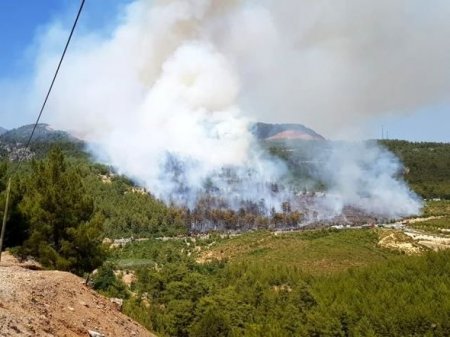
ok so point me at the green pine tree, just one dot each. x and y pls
(64, 232)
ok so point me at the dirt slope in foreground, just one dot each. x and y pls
(53, 303)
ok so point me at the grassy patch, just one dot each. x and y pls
(435, 226)
(439, 212)
(437, 208)
(313, 252)
(133, 263)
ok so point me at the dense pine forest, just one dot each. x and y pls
(427, 166)
(312, 283)
(258, 294)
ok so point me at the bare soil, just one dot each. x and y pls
(399, 241)
(434, 242)
(53, 303)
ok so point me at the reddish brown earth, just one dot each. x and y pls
(293, 134)
(54, 303)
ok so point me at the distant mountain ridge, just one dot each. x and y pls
(262, 131)
(43, 133)
(12, 142)
(271, 132)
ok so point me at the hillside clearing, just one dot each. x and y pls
(314, 252)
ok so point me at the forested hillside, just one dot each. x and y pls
(130, 211)
(427, 166)
(123, 209)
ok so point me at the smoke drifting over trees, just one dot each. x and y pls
(168, 95)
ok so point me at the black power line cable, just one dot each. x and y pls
(5, 214)
(56, 74)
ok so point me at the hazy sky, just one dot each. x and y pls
(22, 22)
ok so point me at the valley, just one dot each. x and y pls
(328, 269)
(276, 274)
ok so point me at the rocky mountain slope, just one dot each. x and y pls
(265, 131)
(54, 303)
(42, 133)
(262, 131)
(12, 142)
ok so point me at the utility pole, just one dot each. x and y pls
(5, 217)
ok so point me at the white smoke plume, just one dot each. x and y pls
(167, 97)
(366, 177)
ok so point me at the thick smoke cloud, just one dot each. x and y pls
(364, 176)
(167, 97)
(342, 62)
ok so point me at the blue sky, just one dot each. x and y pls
(19, 21)
(22, 20)
(428, 124)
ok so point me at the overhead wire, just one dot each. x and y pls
(56, 73)
(28, 143)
